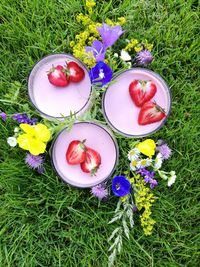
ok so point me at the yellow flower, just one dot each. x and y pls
(34, 139)
(124, 198)
(122, 20)
(147, 147)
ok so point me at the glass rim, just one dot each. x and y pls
(141, 135)
(29, 93)
(116, 150)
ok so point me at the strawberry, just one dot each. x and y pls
(75, 72)
(92, 161)
(57, 76)
(142, 91)
(76, 152)
(150, 113)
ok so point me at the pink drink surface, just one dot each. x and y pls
(120, 110)
(97, 138)
(58, 101)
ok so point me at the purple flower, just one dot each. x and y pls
(148, 177)
(144, 57)
(153, 183)
(99, 191)
(3, 116)
(34, 162)
(101, 73)
(98, 50)
(23, 118)
(40, 169)
(164, 150)
(120, 186)
(134, 208)
(110, 34)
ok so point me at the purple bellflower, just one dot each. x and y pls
(110, 34)
(98, 50)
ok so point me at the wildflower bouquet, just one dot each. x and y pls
(134, 188)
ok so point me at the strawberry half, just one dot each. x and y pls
(76, 152)
(57, 76)
(92, 161)
(142, 91)
(75, 72)
(150, 113)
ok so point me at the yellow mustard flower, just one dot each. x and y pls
(144, 200)
(122, 20)
(124, 198)
(34, 138)
(89, 5)
(147, 147)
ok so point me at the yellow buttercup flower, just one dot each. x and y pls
(34, 138)
(147, 147)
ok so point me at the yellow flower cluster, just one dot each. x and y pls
(133, 44)
(90, 34)
(144, 199)
(89, 5)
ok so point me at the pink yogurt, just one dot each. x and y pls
(120, 111)
(98, 138)
(56, 102)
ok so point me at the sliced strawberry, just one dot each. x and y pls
(57, 76)
(92, 161)
(75, 72)
(150, 113)
(76, 152)
(142, 91)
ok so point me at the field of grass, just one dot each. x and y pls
(44, 222)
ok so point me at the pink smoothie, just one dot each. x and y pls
(98, 138)
(120, 111)
(52, 101)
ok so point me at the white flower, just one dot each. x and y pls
(116, 55)
(158, 161)
(12, 141)
(144, 163)
(125, 55)
(133, 165)
(16, 130)
(133, 154)
(127, 40)
(172, 178)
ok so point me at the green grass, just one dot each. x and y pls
(47, 223)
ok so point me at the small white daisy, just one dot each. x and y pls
(158, 161)
(133, 165)
(12, 141)
(133, 154)
(125, 56)
(116, 55)
(172, 178)
(144, 163)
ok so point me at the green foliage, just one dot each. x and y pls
(46, 223)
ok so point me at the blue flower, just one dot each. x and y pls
(110, 34)
(120, 186)
(101, 73)
(98, 50)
